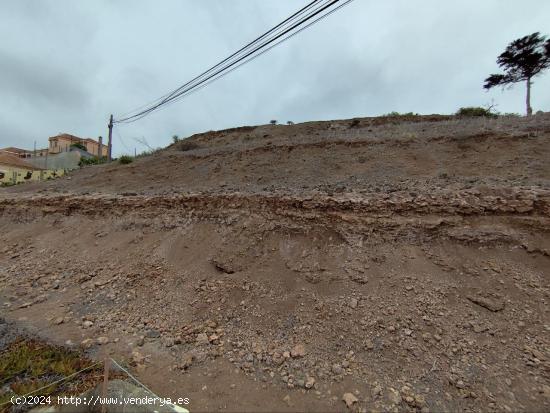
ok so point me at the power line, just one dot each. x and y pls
(175, 95)
(249, 45)
(255, 41)
(122, 140)
(200, 81)
(195, 89)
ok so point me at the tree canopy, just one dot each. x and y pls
(522, 60)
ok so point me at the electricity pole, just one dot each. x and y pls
(110, 143)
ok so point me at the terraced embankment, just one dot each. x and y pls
(313, 280)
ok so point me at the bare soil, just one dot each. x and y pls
(395, 264)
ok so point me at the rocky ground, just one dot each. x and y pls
(395, 264)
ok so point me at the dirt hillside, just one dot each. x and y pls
(395, 264)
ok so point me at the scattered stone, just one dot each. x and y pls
(479, 328)
(310, 382)
(409, 400)
(87, 324)
(420, 400)
(152, 334)
(394, 397)
(377, 391)
(490, 304)
(278, 358)
(358, 278)
(337, 369)
(353, 303)
(140, 341)
(58, 321)
(102, 340)
(226, 267)
(202, 339)
(349, 399)
(137, 357)
(187, 360)
(87, 343)
(298, 350)
(84, 278)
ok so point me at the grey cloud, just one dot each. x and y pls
(68, 65)
(36, 87)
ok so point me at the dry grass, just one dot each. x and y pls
(27, 365)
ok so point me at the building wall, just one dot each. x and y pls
(66, 160)
(93, 148)
(10, 175)
(59, 145)
(63, 144)
(18, 154)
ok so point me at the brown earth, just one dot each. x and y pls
(397, 263)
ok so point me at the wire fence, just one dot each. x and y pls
(75, 375)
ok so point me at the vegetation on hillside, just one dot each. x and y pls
(474, 111)
(28, 365)
(125, 159)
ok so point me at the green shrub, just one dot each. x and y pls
(396, 114)
(93, 160)
(354, 123)
(125, 159)
(186, 145)
(476, 111)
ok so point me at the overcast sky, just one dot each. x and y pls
(65, 65)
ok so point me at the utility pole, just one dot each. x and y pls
(110, 143)
(105, 387)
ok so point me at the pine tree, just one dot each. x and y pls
(522, 60)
